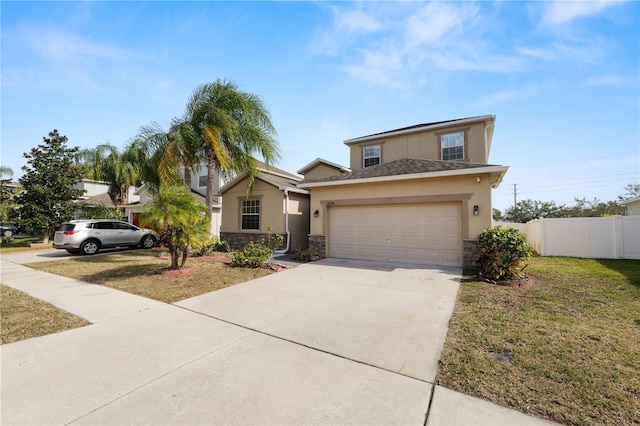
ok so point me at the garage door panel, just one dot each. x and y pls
(417, 233)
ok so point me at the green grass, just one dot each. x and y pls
(23, 317)
(573, 340)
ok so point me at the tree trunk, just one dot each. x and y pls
(211, 174)
(175, 254)
(185, 252)
(187, 175)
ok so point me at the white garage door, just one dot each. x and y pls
(413, 233)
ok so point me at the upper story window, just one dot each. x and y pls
(371, 155)
(250, 214)
(203, 178)
(452, 146)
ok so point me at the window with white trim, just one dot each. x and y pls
(452, 146)
(250, 215)
(371, 155)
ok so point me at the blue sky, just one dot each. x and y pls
(563, 78)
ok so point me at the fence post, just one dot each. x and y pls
(542, 237)
(618, 238)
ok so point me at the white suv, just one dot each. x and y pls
(91, 235)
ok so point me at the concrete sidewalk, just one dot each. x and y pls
(317, 344)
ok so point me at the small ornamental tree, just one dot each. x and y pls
(47, 198)
(180, 219)
(502, 251)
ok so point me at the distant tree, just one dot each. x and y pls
(47, 197)
(179, 218)
(632, 191)
(497, 214)
(595, 208)
(120, 170)
(527, 210)
(7, 193)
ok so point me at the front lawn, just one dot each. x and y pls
(23, 317)
(143, 272)
(17, 244)
(566, 349)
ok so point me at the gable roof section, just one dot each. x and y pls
(276, 179)
(277, 172)
(409, 168)
(422, 127)
(100, 200)
(319, 161)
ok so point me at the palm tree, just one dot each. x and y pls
(178, 146)
(120, 170)
(180, 220)
(7, 193)
(230, 127)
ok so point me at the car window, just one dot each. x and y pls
(122, 225)
(68, 227)
(103, 225)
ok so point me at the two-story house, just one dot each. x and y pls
(419, 194)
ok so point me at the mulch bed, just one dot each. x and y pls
(522, 282)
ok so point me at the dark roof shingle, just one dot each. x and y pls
(403, 166)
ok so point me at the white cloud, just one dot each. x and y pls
(356, 21)
(562, 12)
(500, 98)
(437, 22)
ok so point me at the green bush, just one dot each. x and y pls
(254, 254)
(304, 255)
(502, 251)
(215, 245)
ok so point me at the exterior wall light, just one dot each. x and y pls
(476, 210)
(316, 213)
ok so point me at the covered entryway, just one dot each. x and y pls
(428, 233)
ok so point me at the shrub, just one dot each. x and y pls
(214, 245)
(304, 255)
(502, 251)
(254, 254)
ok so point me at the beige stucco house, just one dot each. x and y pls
(419, 194)
(275, 205)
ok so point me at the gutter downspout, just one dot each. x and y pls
(286, 223)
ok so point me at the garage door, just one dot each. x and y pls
(414, 233)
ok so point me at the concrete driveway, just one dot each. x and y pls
(332, 342)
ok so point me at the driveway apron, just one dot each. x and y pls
(332, 342)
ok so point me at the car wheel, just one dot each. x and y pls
(148, 241)
(89, 247)
(8, 233)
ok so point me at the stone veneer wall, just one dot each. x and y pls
(317, 244)
(237, 240)
(471, 253)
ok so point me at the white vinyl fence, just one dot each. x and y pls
(615, 237)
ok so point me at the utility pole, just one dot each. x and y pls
(515, 192)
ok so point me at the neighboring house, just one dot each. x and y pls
(419, 194)
(96, 194)
(633, 206)
(198, 189)
(274, 206)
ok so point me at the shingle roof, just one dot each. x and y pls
(420, 126)
(100, 200)
(403, 166)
